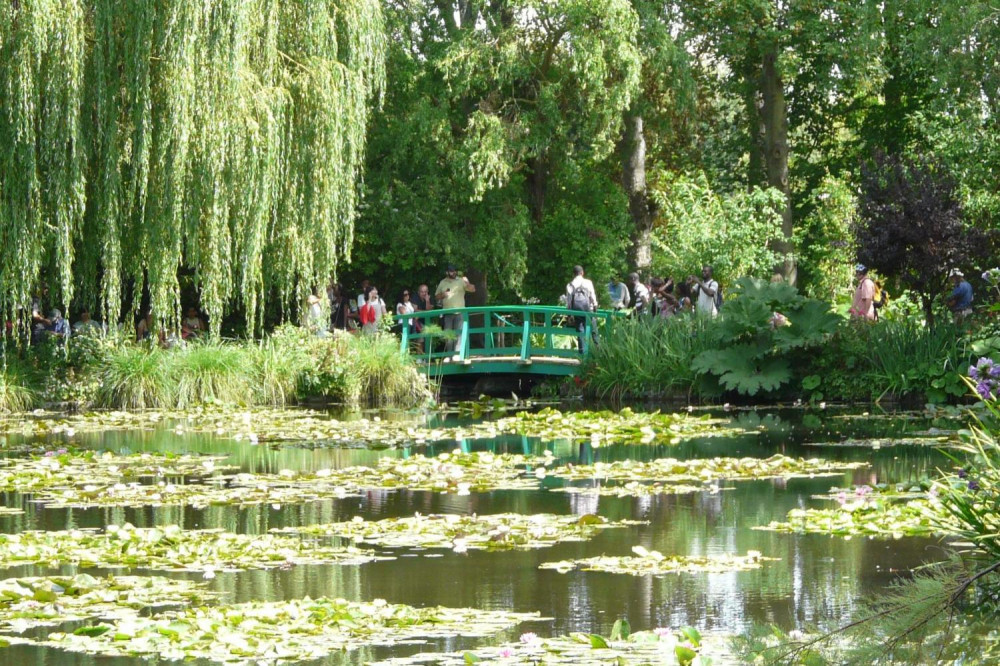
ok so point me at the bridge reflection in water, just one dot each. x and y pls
(501, 339)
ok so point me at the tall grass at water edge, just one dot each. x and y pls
(904, 357)
(646, 357)
(17, 393)
(288, 367)
(136, 377)
(212, 372)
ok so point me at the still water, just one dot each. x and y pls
(819, 579)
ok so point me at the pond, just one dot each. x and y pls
(814, 578)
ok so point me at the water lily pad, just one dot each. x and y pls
(638, 489)
(642, 647)
(705, 469)
(282, 631)
(311, 428)
(505, 531)
(650, 562)
(91, 469)
(873, 519)
(170, 548)
(26, 603)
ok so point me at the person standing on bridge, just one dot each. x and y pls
(580, 296)
(451, 292)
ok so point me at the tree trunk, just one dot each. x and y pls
(753, 105)
(774, 114)
(537, 182)
(633, 149)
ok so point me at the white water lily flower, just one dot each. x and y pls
(323, 473)
(459, 546)
(540, 472)
(209, 573)
(252, 437)
(464, 488)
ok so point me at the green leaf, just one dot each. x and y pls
(597, 641)
(96, 630)
(621, 630)
(685, 655)
(471, 658)
(692, 635)
(810, 382)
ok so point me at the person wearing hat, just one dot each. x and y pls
(451, 293)
(863, 304)
(960, 300)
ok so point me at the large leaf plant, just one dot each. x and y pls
(756, 350)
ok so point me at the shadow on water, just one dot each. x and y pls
(818, 578)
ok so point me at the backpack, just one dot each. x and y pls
(579, 299)
(718, 296)
(881, 296)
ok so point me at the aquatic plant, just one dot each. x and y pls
(504, 531)
(704, 469)
(652, 562)
(685, 646)
(296, 630)
(55, 600)
(169, 548)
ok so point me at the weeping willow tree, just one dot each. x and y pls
(139, 138)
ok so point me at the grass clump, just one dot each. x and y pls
(16, 391)
(211, 372)
(136, 377)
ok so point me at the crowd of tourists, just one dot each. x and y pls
(665, 297)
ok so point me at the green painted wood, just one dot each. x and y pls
(507, 346)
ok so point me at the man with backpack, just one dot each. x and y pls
(580, 296)
(709, 296)
(863, 303)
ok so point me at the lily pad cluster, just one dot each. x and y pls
(26, 603)
(638, 489)
(92, 469)
(503, 531)
(881, 519)
(658, 646)
(169, 548)
(457, 472)
(279, 631)
(707, 469)
(312, 428)
(645, 562)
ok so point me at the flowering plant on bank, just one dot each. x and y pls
(986, 376)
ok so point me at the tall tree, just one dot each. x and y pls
(137, 138)
(493, 103)
(790, 61)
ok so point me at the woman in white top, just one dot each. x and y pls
(405, 307)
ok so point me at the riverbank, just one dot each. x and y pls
(290, 366)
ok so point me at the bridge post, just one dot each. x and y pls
(463, 338)
(526, 338)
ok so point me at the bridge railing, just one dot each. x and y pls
(515, 332)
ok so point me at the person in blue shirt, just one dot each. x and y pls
(960, 300)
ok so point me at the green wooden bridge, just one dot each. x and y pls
(501, 339)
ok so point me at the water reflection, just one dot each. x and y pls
(817, 579)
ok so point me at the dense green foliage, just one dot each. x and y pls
(289, 366)
(817, 356)
(141, 138)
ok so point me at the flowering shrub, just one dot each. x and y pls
(986, 375)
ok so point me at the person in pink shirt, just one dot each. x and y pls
(863, 306)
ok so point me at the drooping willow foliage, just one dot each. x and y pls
(140, 138)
